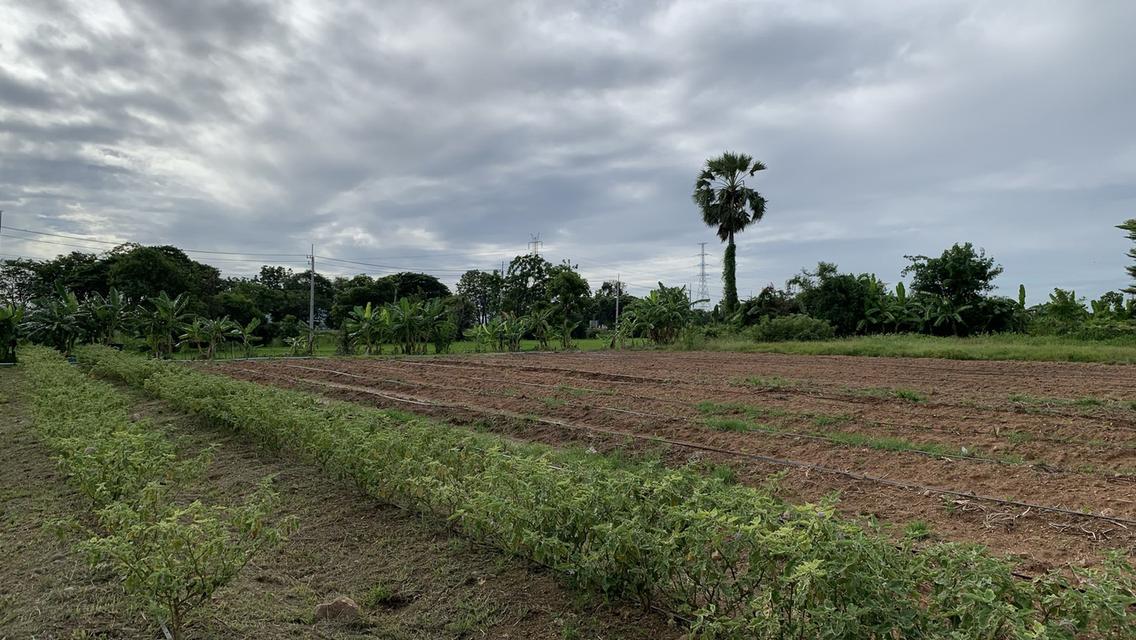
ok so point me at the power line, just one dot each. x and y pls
(118, 244)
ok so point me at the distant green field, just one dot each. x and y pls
(994, 347)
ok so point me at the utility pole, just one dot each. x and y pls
(535, 244)
(703, 289)
(618, 295)
(312, 305)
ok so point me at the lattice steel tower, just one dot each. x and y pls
(703, 288)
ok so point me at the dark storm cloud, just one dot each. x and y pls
(388, 132)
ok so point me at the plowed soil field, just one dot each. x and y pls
(1035, 460)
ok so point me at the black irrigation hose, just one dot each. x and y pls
(751, 456)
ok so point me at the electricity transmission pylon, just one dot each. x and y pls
(703, 287)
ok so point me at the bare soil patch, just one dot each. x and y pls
(1014, 431)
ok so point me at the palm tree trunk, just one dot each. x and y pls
(729, 279)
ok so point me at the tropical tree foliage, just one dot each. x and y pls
(662, 315)
(57, 320)
(10, 318)
(162, 321)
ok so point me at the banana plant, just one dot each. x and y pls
(942, 315)
(193, 333)
(244, 334)
(663, 314)
(540, 325)
(216, 331)
(508, 331)
(370, 326)
(10, 317)
(163, 321)
(564, 334)
(483, 338)
(57, 320)
(106, 314)
(408, 326)
(441, 325)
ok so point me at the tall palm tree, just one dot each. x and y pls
(727, 203)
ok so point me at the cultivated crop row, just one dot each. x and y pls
(170, 555)
(733, 561)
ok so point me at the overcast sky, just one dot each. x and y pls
(438, 136)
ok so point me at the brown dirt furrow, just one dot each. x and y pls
(1114, 415)
(1024, 437)
(1088, 492)
(1043, 539)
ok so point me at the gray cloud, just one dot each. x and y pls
(440, 135)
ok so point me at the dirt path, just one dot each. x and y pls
(413, 579)
(968, 438)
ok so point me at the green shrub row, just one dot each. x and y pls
(792, 327)
(170, 557)
(736, 562)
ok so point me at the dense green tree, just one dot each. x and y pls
(416, 286)
(142, 272)
(483, 290)
(840, 299)
(1130, 226)
(961, 274)
(770, 302)
(238, 306)
(730, 205)
(526, 284)
(569, 297)
(24, 279)
(358, 291)
(287, 292)
(955, 283)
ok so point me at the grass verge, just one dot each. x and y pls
(991, 347)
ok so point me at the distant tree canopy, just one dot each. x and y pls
(483, 290)
(961, 274)
(525, 286)
(950, 294)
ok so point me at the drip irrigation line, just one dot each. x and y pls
(909, 486)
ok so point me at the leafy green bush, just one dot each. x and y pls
(792, 327)
(734, 560)
(170, 558)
